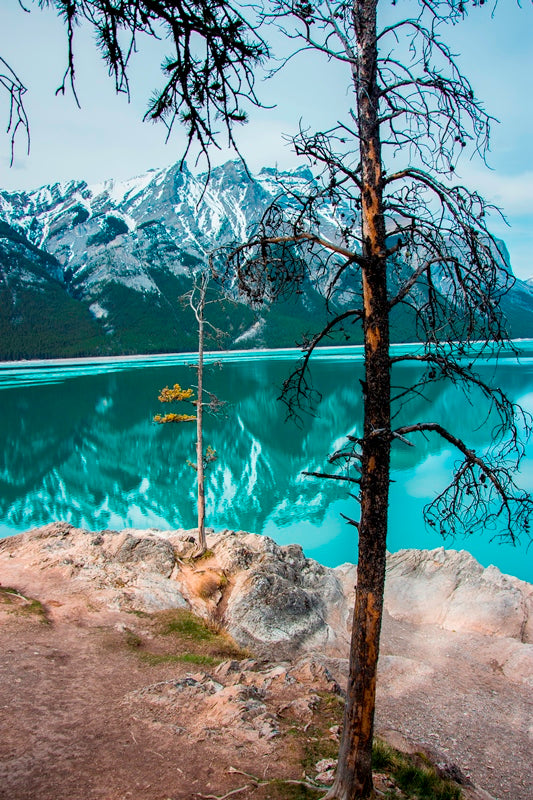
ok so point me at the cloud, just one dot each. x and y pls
(513, 193)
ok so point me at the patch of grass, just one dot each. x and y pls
(317, 740)
(36, 608)
(424, 783)
(203, 556)
(179, 636)
(154, 659)
(186, 625)
(279, 790)
(332, 705)
(138, 613)
(384, 757)
(19, 604)
(226, 648)
(414, 775)
(133, 640)
(317, 747)
(195, 658)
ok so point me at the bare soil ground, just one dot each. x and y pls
(447, 689)
(102, 704)
(69, 731)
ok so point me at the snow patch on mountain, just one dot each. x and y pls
(252, 332)
(140, 283)
(98, 311)
(122, 191)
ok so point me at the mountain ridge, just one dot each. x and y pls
(122, 253)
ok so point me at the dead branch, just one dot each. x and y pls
(17, 117)
(475, 497)
(331, 476)
(228, 794)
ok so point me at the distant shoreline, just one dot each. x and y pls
(214, 355)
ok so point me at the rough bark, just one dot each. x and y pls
(354, 773)
(202, 545)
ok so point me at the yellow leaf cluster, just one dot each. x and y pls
(210, 455)
(174, 418)
(175, 394)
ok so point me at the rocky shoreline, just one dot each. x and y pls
(268, 597)
(456, 666)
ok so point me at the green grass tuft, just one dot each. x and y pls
(203, 556)
(424, 783)
(279, 790)
(154, 659)
(133, 640)
(19, 604)
(179, 636)
(416, 780)
(318, 743)
(384, 757)
(195, 658)
(138, 613)
(186, 625)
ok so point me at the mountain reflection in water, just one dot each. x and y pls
(83, 448)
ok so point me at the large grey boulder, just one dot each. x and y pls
(279, 600)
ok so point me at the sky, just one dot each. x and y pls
(106, 138)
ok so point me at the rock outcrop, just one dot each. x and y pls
(269, 597)
(452, 589)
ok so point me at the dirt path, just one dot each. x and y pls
(68, 731)
(65, 732)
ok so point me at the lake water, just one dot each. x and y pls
(77, 443)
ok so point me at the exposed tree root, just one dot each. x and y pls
(228, 794)
(255, 782)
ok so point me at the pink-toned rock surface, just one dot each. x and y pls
(451, 589)
(455, 671)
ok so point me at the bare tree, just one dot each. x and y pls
(198, 308)
(196, 298)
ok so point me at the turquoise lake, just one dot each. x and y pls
(77, 443)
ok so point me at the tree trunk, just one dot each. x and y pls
(354, 772)
(202, 545)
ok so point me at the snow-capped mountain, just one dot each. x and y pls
(100, 269)
(122, 253)
(165, 212)
(51, 212)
